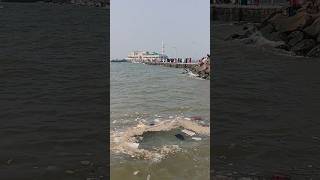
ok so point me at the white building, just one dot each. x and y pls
(143, 56)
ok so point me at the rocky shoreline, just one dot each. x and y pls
(202, 70)
(299, 33)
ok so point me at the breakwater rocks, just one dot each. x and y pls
(299, 32)
(174, 65)
(201, 70)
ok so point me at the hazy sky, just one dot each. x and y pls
(183, 25)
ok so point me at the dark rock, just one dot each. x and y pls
(283, 23)
(283, 36)
(318, 38)
(284, 47)
(304, 45)
(236, 36)
(179, 136)
(267, 29)
(248, 41)
(275, 36)
(295, 37)
(314, 52)
(296, 34)
(248, 33)
(314, 28)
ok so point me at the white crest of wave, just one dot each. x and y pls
(127, 142)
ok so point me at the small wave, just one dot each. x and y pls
(258, 40)
(127, 142)
(193, 75)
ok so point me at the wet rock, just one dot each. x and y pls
(267, 29)
(295, 37)
(136, 173)
(314, 52)
(236, 36)
(248, 41)
(314, 28)
(304, 45)
(284, 47)
(179, 136)
(283, 23)
(296, 34)
(283, 36)
(274, 36)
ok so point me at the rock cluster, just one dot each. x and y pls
(300, 32)
(202, 69)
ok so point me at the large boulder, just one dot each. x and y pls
(303, 46)
(283, 23)
(295, 37)
(267, 29)
(314, 28)
(314, 52)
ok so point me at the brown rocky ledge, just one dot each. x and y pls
(300, 33)
(202, 69)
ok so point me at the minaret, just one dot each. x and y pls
(162, 51)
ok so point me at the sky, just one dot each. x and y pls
(183, 26)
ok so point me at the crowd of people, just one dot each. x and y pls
(187, 60)
(178, 60)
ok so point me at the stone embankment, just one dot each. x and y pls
(202, 69)
(300, 33)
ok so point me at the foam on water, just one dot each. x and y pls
(127, 141)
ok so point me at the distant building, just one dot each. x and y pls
(143, 56)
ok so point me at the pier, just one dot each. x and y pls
(174, 65)
(249, 13)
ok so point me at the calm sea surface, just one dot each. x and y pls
(52, 91)
(155, 92)
(266, 110)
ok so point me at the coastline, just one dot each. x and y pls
(201, 70)
(296, 34)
